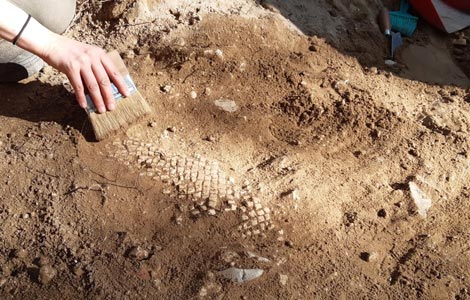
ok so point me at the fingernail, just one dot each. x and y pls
(111, 106)
(101, 110)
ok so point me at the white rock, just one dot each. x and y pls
(209, 53)
(422, 202)
(390, 62)
(292, 195)
(193, 95)
(295, 195)
(203, 292)
(460, 42)
(226, 105)
(241, 275)
(219, 54)
(259, 258)
(167, 88)
(138, 253)
(283, 279)
(242, 67)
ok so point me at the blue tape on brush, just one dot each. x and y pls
(117, 96)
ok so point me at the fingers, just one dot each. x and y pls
(90, 69)
(104, 85)
(93, 88)
(77, 84)
(115, 75)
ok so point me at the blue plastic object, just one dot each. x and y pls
(404, 6)
(402, 21)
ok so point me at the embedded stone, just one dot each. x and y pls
(46, 274)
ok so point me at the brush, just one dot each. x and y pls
(128, 110)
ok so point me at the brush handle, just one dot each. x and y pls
(384, 22)
(118, 62)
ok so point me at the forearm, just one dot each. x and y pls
(35, 38)
(86, 66)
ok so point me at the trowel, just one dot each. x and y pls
(386, 27)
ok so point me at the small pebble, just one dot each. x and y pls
(193, 95)
(20, 253)
(203, 292)
(369, 256)
(157, 283)
(283, 279)
(77, 271)
(138, 253)
(152, 124)
(293, 195)
(209, 53)
(460, 42)
(179, 220)
(166, 88)
(46, 274)
(219, 54)
(210, 138)
(3, 281)
(130, 54)
(242, 67)
(207, 92)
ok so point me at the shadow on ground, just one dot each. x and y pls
(352, 28)
(35, 101)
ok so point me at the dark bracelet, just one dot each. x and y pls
(21, 31)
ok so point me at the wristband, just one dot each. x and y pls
(15, 40)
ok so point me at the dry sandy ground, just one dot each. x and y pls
(310, 173)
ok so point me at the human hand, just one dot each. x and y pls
(88, 67)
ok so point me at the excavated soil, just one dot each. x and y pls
(279, 140)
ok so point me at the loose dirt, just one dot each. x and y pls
(279, 141)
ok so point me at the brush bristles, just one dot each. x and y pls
(127, 111)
